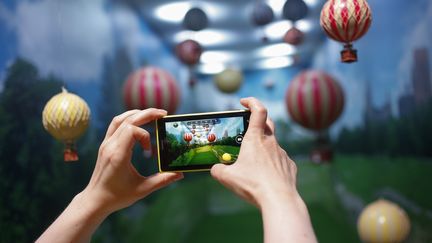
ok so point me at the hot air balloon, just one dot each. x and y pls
(195, 19)
(346, 21)
(211, 137)
(229, 80)
(187, 137)
(262, 14)
(383, 222)
(151, 87)
(314, 99)
(66, 117)
(193, 131)
(294, 10)
(293, 36)
(189, 52)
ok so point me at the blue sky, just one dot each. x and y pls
(71, 38)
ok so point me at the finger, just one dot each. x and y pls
(270, 126)
(127, 135)
(217, 171)
(258, 113)
(117, 121)
(157, 181)
(146, 116)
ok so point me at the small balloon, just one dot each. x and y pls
(262, 14)
(175, 125)
(229, 80)
(294, 36)
(187, 137)
(195, 19)
(211, 137)
(294, 10)
(189, 52)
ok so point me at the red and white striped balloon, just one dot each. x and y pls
(314, 99)
(211, 137)
(346, 21)
(187, 137)
(151, 87)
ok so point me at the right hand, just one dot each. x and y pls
(263, 171)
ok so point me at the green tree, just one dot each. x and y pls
(35, 184)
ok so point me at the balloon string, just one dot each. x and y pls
(60, 43)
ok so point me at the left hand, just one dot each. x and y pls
(115, 183)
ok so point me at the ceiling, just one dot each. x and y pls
(230, 38)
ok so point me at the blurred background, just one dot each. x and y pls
(363, 134)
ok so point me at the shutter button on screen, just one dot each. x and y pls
(239, 139)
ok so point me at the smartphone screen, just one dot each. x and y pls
(198, 141)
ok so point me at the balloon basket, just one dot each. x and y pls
(322, 152)
(321, 155)
(348, 54)
(70, 153)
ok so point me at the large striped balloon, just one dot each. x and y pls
(151, 87)
(384, 222)
(346, 21)
(314, 99)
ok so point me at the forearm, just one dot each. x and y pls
(286, 219)
(77, 223)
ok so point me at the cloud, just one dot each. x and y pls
(128, 31)
(66, 38)
(6, 16)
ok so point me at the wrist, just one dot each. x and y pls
(283, 201)
(90, 206)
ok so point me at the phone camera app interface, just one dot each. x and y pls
(205, 141)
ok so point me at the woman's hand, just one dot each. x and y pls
(115, 183)
(265, 176)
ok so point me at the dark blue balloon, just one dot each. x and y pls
(294, 10)
(195, 19)
(262, 14)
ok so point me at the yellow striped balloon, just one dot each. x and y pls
(66, 117)
(229, 80)
(383, 221)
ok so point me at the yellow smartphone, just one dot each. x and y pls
(195, 142)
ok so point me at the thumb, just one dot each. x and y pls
(218, 172)
(158, 181)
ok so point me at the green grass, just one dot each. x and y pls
(198, 209)
(206, 155)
